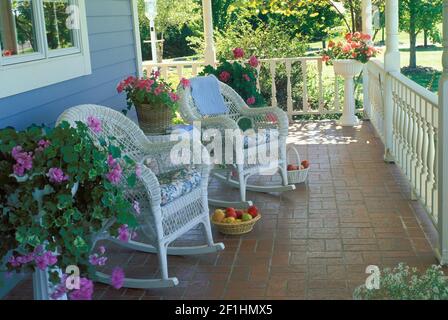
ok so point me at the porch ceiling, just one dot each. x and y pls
(314, 242)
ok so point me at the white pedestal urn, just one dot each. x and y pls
(348, 68)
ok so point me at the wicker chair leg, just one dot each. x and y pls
(163, 260)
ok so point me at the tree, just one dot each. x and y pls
(418, 16)
(171, 14)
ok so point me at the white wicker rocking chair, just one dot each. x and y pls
(161, 220)
(268, 118)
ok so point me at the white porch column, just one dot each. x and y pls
(210, 51)
(443, 146)
(391, 65)
(367, 29)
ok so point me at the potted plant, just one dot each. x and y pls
(57, 190)
(348, 58)
(154, 100)
(405, 283)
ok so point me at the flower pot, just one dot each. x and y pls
(154, 119)
(348, 68)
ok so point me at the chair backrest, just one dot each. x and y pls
(207, 96)
(113, 124)
(190, 111)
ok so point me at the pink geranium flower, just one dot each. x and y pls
(124, 233)
(224, 76)
(253, 61)
(114, 175)
(138, 171)
(238, 53)
(24, 160)
(250, 100)
(56, 175)
(117, 278)
(174, 97)
(84, 292)
(185, 83)
(94, 124)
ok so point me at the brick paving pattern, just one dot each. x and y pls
(311, 243)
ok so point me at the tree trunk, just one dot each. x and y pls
(412, 39)
(324, 44)
(425, 36)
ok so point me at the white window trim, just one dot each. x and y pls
(59, 65)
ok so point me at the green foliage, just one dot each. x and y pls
(175, 20)
(242, 79)
(264, 41)
(64, 220)
(148, 90)
(405, 283)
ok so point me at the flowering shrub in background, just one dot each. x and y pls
(148, 90)
(81, 187)
(405, 283)
(240, 75)
(356, 46)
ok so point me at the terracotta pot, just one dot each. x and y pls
(154, 119)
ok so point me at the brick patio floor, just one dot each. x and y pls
(311, 243)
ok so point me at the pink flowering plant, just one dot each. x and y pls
(241, 75)
(81, 194)
(356, 46)
(150, 89)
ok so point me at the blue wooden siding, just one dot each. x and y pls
(112, 49)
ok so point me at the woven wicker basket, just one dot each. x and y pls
(235, 228)
(154, 119)
(297, 176)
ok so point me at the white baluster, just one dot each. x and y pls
(194, 70)
(321, 88)
(272, 66)
(289, 103)
(337, 103)
(306, 105)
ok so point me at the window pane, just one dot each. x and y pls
(59, 33)
(17, 27)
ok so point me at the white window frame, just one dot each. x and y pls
(24, 73)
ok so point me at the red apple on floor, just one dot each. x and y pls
(253, 211)
(239, 214)
(230, 212)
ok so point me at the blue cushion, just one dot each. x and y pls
(175, 184)
(207, 95)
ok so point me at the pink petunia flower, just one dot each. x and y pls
(224, 76)
(238, 53)
(253, 61)
(185, 83)
(250, 100)
(56, 175)
(117, 278)
(94, 124)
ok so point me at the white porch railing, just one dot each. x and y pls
(308, 87)
(414, 131)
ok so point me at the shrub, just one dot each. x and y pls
(405, 283)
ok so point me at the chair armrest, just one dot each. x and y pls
(270, 116)
(219, 122)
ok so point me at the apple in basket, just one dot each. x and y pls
(219, 215)
(291, 167)
(253, 211)
(239, 214)
(231, 213)
(305, 164)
